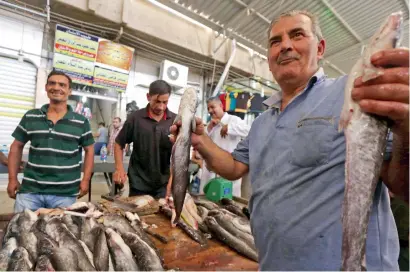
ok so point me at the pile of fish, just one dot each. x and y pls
(227, 222)
(62, 242)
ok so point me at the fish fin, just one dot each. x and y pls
(193, 124)
(177, 118)
(350, 106)
(371, 73)
(345, 117)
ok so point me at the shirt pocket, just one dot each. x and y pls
(165, 142)
(312, 141)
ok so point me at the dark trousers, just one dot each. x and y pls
(159, 193)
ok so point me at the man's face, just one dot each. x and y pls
(58, 88)
(158, 103)
(116, 123)
(215, 109)
(294, 50)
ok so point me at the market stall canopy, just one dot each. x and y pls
(346, 25)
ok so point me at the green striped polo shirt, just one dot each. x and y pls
(54, 161)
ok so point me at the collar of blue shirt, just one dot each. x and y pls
(275, 100)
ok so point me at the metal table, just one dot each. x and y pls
(107, 168)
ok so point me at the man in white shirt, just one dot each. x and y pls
(226, 131)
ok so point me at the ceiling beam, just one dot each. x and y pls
(256, 12)
(195, 16)
(406, 3)
(340, 18)
(341, 52)
(234, 19)
(334, 67)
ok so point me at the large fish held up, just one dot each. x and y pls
(366, 137)
(181, 149)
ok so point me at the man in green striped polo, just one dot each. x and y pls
(52, 177)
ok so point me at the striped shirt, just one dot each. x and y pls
(54, 161)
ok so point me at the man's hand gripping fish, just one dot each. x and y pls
(181, 149)
(365, 144)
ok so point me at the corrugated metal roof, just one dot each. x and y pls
(345, 24)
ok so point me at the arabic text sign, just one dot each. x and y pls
(115, 55)
(80, 71)
(106, 78)
(75, 43)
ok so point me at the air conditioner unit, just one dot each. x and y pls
(173, 73)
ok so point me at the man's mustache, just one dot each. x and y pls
(283, 57)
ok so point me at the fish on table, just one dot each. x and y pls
(366, 137)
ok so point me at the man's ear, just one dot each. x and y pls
(321, 49)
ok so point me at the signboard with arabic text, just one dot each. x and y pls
(91, 60)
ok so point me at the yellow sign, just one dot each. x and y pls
(76, 43)
(80, 71)
(91, 60)
(114, 54)
(106, 78)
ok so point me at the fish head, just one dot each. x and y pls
(189, 100)
(389, 34)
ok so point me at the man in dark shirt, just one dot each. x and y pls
(148, 130)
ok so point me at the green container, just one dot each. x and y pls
(218, 188)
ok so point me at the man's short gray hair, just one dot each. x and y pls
(214, 99)
(313, 18)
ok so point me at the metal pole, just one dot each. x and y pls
(7, 4)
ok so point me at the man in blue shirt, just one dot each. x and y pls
(296, 157)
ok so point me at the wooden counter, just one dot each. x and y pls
(185, 254)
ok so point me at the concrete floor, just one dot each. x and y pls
(99, 187)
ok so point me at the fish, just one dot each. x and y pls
(205, 203)
(146, 257)
(144, 200)
(40, 224)
(117, 222)
(246, 212)
(53, 227)
(45, 244)
(242, 224)
(226, 222)
(69, 241)
(233, 242)
(196, 235)
(132, 216)
(122, 257)
(64, 259)
(44, 264)
(234, 209)
(181, 149)
(88, 252)
(87, 235)
(60, 233)
(28, 240)
(11, 229)
(19, 260)
(80, 207)
(26, 220)
(142, 232)
(74, 229)
(6, 252)
(202, 212)
(366, 137)
(101, 251)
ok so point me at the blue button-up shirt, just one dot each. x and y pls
(296, 164)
